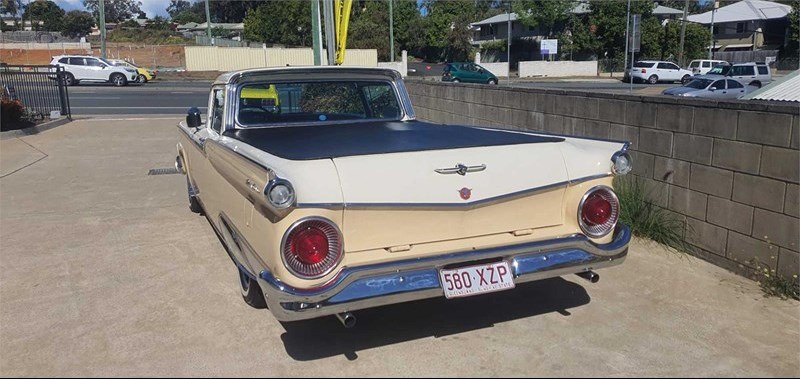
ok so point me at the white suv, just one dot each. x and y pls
(702, 66)
(752, 73)
(87, 68)
(658, 71)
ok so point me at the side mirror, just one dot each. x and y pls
(193, 118)
(103, 66)
(712, 89)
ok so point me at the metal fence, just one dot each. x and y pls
(41, 89)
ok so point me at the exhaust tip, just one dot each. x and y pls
(347, 319)
(591, 276)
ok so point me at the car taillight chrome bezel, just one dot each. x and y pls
(600, 230)
(335, 248)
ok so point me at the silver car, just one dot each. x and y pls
(710, 86)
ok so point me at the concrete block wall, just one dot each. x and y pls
(729, 169)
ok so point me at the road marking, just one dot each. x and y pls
(95, 98)
(185, 92)
(137, 107)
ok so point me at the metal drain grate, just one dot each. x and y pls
(163, 171)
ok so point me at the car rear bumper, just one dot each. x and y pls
(414, 279)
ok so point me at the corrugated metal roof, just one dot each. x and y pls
(745, 10)
(661, 10)
(786, 88)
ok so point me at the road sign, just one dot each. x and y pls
(549, 47)
(635, 36)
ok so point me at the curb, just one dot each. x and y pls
(34, 129)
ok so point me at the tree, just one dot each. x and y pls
(608, 18)
(285, 22)
(115, 10)
(45, 15)
(369, 26)
(10, 6)
(459, 46)
(544, 14)
(177, 6)
(77, 24)
(187, 16)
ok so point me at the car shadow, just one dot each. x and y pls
(325, 337)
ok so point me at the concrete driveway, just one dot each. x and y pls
(105, 272)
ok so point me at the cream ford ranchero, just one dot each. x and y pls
(330, 197)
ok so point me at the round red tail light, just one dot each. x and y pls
(312, 247)
(598, 211)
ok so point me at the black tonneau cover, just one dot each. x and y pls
(365, 138)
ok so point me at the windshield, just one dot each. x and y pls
(316, 102)
(720, 70)
(698, 83)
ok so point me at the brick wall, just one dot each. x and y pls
(729, 169)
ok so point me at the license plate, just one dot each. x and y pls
(475, 280)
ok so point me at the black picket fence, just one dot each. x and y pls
(40, 89)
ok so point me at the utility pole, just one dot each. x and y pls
(316, 32)
(627, 36)
(102, 11)
(713, 40)
(330, 31)
(681, 59)
(208, 22)
(508, 40)
(391, 29)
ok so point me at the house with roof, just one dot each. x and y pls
(747, 25)
(496, 27)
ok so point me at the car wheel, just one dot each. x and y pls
(251, 292)
(756, 84)
(493, 81)
(119, 80)
(69, 80)
(652, 79)
(456, 81)
(141, 78)
(194, 204)
(686, 79)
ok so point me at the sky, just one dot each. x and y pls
(151, 7)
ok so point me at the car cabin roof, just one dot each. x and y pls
(305, 72)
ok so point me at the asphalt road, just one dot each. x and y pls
(138, 99)
(174, 98)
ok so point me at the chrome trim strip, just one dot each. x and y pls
(460, 169)
(470, 205)
(531, 261)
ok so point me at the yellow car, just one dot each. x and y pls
(145, 75)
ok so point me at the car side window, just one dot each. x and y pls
(694, 64)
(64, 60)
(734, 84)
(664, 66)
(217, 108)
(672, 66)
(76, 62)
(763, 70)
(719, 84)
(93, 62)
(743, 70)
(706, 64)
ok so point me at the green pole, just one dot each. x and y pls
(208, 22)
(102, 12)
(316, 32)
(391, 29)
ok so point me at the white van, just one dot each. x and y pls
(701, 66)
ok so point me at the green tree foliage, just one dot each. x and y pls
(793, 45)
(608, 19)
(10, 6)
(695, 6)
(369, 26)
(46, 15)
(694, 47)
(175, 7)
(285, 22)
(230, 11)
(187, 16)
(441, 14)
(115, 10)
(544, 14)
(77, 24)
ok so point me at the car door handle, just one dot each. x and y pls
(252, 185)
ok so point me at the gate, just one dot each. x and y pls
(41, 89)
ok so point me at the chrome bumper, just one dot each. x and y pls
(415, 279)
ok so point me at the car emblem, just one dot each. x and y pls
(465, 193)
(461, 169)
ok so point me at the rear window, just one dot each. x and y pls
(694, 64)
(643, 65)
(763, 70)
(706, 64)
(267, 104)
(743, 70)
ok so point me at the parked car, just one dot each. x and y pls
(709, 86)
(702, 66)
(752, 73)
(144, 76)
(336, 198)
(81, 68)
(658, 71)
(468, 73)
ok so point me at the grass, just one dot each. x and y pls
(774, 285)
(646, 219)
